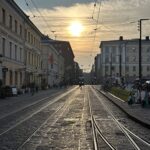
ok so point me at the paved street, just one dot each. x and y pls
(70, 119)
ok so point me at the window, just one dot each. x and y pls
(51, 66)
(20, 54)
(29, 37)
(127, 68)
(34, 41)
(127, 59)
(148, 58)
(114, 59)
(134, 59)
(25, 34)
(133, 49)
(106, 49)
(148, 49)
(134, 68)
(29, 58)
(32, 59)
(106, 59)
(148, 68)
(16, 77)
(20, 30)
(20, 77)
(10, 47)
(15, 52)
(10, 21)
(16, 26)
(113, 68)
(3, 16)
(114, 50)
(3, 46)
(10, 77)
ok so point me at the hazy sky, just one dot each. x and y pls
(116, 18)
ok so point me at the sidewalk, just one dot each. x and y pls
(27, 96)
(135, 112)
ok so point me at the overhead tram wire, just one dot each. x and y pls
(34, 4)
(97, 22)
(95, 1)
(27, 4)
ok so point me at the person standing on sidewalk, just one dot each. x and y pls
(143, 95)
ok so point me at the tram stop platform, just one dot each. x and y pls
(134, 111)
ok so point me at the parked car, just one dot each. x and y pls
(14, 90)
(8, 91)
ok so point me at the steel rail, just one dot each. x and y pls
(102, 136)
(30, 105)
(39, 110)
(95, 128)
(63, 106)
(129, 131)
(136, 136)
(95, 143)
(117, 122)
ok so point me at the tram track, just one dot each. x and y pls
(96, 131)
(27, 125)
(61, 127)
(136, 141)
(27, 105)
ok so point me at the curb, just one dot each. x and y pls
(142, 122)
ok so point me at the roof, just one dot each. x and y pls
(46, 39)
(123, 41)
(25, 17)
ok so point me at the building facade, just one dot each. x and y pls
(64, 48)
(52, 64)
(97, 64)
(20, 47)
(120, 58)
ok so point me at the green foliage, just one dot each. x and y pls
(121, 93)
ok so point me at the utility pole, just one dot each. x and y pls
(140, 48)
(120, 67)
(111, 65)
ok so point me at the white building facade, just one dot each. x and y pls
(20, 47)
(120, 58)
(52, 65)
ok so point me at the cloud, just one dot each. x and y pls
(114, 20)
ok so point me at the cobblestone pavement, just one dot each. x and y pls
(67, 129)
(63, 122)
(12, 104)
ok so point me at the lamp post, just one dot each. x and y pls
(140, 48)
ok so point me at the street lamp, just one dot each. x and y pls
(140, 48)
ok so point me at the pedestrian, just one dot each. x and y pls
(143, 93)
(32, 87)
(130, 99)
(137, 96)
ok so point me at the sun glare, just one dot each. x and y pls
(76, 28)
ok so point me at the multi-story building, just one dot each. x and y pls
(97, 64)
(77, 73)
(52, 64)
(64, 48)
(121, 58)
(20, 46)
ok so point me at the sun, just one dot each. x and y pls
(75, 28)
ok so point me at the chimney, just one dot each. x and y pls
(121, 38)
(147, 38)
